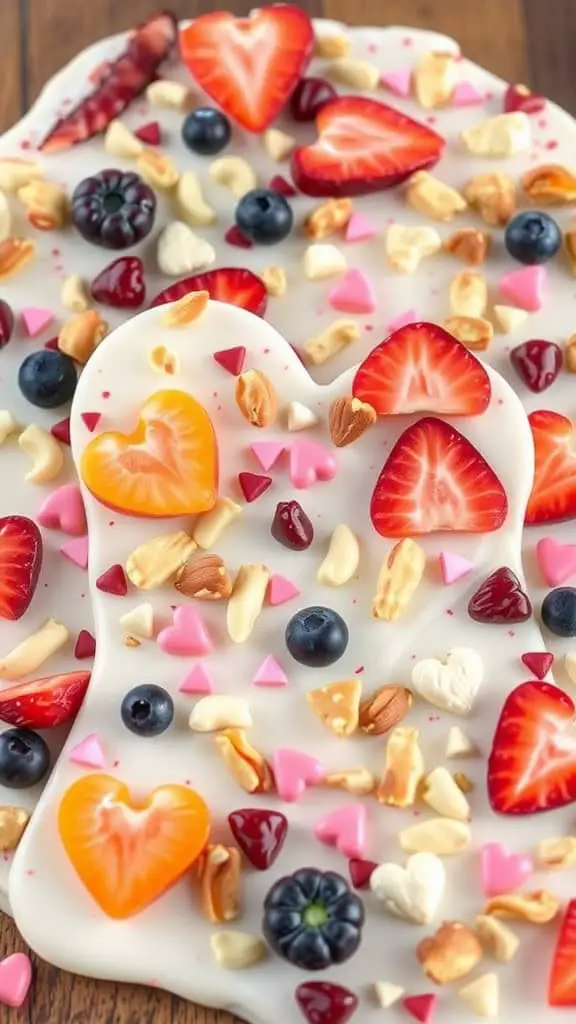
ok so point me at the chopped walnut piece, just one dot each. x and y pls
(404, 768)
(500, 136)
(538, 907)
(493, 196)
(550, 185)
(331, 216)
(469, 245)
(406, 247)
(450, 954)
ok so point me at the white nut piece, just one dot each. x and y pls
(279, 145)
(170, 95)
(15, 173)
(275, 280)
(406, 247)
(190, 201)
(5, 218)
(332, 45)
(556, 853)
(442, 836)
(139, 621)
(497, 938)
(413, 893)
(120, 141)
(500, 136)
(509, 319)
(158, 560)
(459, 744)
(355, 74)
(180, 251)
(442, 794)
(570, 667)
(468, 294)
(300, 417)
(482, 996)
(8, 425)
(387, 993)
(220, 711)
(329, 343)
(27, 657)
(210, 525)
(46, 454)
(434, 79)
(434, 198)
(235, 173)
(322, 260)
(342, 558)
(237, 950)
(74, 294)
(246, 601)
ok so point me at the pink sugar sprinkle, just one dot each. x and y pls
(542, 122)
(105, 394)
(407, 41)
(552, 144)
(511, 632)
(369, 327)
(431, 119)
(358, 670)
(372, 48)
(115, 764)
(30, 872)
(449, 611)
(25, 144)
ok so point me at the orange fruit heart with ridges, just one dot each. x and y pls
(167, 467)
(128, 853)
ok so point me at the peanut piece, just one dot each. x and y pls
(398, 580)
(237, 950)
(474, 332)
(256, 398)
(246, 765)
(497, 938)
(406, 247)
(538, 907)
(157, 560)
(32, 652)
(557, 853)
(404, 768)
(443, 795)
(434, 198)
(450, 954)
(550, 185)
(235, 173)
(275, 280)
(46, 454)
(246, 601)
(186, 310)
(158, 170)
(278, 144)
(500, 136)
(180, 251)
(220, 711)
(210, 525)
(322, 260)
(335, 45)
(162, 360)
(434, 79)
(170, 95)
(493, 196)
(468, 295)
(355, 74)
(219, 872)
(120, 141)
(15, 173)
(5, 217)
(15, 253)
(74, 294)
(8, 425)
(328, 218)
(442, 836)
(82, 334)
(342, 558)
(468, 245)
(191, 204)
(330, 342)
(358, 781)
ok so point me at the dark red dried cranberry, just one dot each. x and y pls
(115, 209)
(260, 834)
(291, 526)
(6, 323)
(538, 662)
(113, 581)
(120, 284)
(235, 237)
(323, 1002)
(361, 872)
(500, 598)
(538, 363)
(253, 485)
(309, 96)
(279, 184)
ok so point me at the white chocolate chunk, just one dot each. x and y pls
(355, 74)
(46, 454)
(300, 417)
(180, 251)
(509, 319)
(482, 996)
(322, 260)
(387, 993)
(74, 294)
(442, 836)
(452, 684)
(435, 77)
(406, 247)
(442, 794)
(220, 711)
(139, 621)
(169, 94)
(459, 744)
(237, 950)
(342, 558)
(27, 657)
(337, 336)
(500, 136)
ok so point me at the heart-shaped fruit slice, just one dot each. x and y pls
(435, 479)
(553, 496)
(249, 66)
(126, 853)
(422, 368)
(538, 363)
(260, 834)
(44, 703)
(562, 981)
(227, 284)
(532, 765)
(21, 552)
(323, 1002)
(500, 598)
(167, 467)
(363, 146)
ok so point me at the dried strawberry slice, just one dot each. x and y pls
(124, 80)
(500, 599)
(260, 834)
(44, 703)
(236, 285)
(323, 1002)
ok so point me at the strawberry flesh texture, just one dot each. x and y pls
(562, 980)
(532, 765)
(124, 80)
(249, 83)
(553, 497)
(422, 368)
(434, 479)
(363, 146)
(500, 599)
(44, 703)
(537, 363)
(21, 551)
(323, 1002)
(260, 834)
(230, 284)
(539, 663)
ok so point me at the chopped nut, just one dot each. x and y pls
(162, 360)
(277, 144)
(192, 206)
(406, 247)
(246, 601)
(330, 342)
(75, 295)
(493, 196)
(81, 334)
(186, 310)
(275, 280)
(328, 218)
(557, 853)
(550, 185)
(468, 295)
(8, 425)
(219, 871)
(384, 709)
(329, 46)
(569, 248)
(131, 641)
(469, 245)
(158, 170)
(206, 578)
(503, 135)
(508, 318)
(356, 74)
(442, 794)
(46, 205)
(256, 398)
(387, 993)
(434, 79)
(404, 768)
(15, 253)
(497, 938)
(322, 260)
(157, 560)
(14, 173)
(250, 770)
(220, 711)
(337, 705)
(13, 821)
(482, 996)
(358, 781)
(459, 744)
(5, 218)
(237, 950)
(180, 251)
(433, 198)
(46, 454)
(465, 785)
(139, 620)
(349, 419)
(300, 417)
(342, 558)
(398, 580)
(450, 954)
(235, 173)
(474, 332)
(32, 652)
(211, 525)
(570, 365)
(538, 907)
(442, 836)
(170, 95)
(120, 141)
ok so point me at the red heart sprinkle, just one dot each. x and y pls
(323, 1002)
(253, 485)
(361, 872)
(260, 834)
(85, 645)
(500, 599)
(279, 184)
(235, 237)
(113, 581)
(231, 359)
(537, 363)
(61, 430)
(91, 419)
(420, 1008)
(149, 133)
(538, 662)
(120, 284)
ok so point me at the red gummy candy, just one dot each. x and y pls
(235, 237)
(61, 430)
(231, 359)
(309, 96)
(6, 323)
(500, 599)
(253, 485)
(420, 1008)
(260, 834)
(538, 662)
(519, 97)
(361, 872)
(149, 133)
(91, 420)
(113, 581)
(120, 284)
(323, 1002)
(291, 526)
(279, 184)
(85, 645)
(538, 363)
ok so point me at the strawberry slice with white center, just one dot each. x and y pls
(363, 146)
(532, 765)
(236, 285)
(435, 480)
(422, 368)
(562, 981)
(249, 66)
(21, 552)
(553, 496)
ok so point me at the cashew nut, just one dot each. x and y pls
(342, 559)
(246, 601)
(74, 294)
(162, 360)
(15, 173)
(120, 141)
(220, 711)
(27, 657)
(45, 452)
(158, 170)
(235, 173)
(503, 135)
(8, 425)
(191, 204)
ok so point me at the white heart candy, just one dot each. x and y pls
(180, 251)
(414, 892)
(453, 684)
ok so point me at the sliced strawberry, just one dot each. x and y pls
(44, 703)
(532, 765)
(123, 80)
(553, 496)
(435, 479)
(229, 284)
(422, 368)
(562, 981)
(21, 552)
(249, 66)
(363, 146)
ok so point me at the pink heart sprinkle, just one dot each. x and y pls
(15, 979)
(309, 462)
(503, 871)
(557, 562)
(293, 772)
(88, 752)
(399, 82)
(64, 510)
(344, 828)
(410, 316)
(270, 673)
(467, 95)
(35, 320)
(453, 567)
(76, 551)
(197, 681)
(359, 228)
(353, 294)
(281, 590)
(524, 288)
(187, 635)
(267, 452)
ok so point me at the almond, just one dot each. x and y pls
(256, 398)
(205, 578)
(385, 709)
(348, 419)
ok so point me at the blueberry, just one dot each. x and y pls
(147, 710)
(264, 216)
(47, 378)
(206, 131)
(532, 237)
(24, 758)
(316, 637)
(559, 611)
(313, 919)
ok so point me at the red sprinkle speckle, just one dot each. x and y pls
(105, 394)
(552, 144)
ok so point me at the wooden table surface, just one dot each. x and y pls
(521, 40)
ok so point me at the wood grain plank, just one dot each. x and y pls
(11, 99)
(550, 33)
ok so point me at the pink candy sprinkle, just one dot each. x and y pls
(311, 462)
(503, 871)
(281, 590)
(270, 673)
(467, 95)
(353, 294)
(76, 551)
(35, 320)
(64, 510)
(88, 752)
(524, 288)
(91, 420)
(197, 681)
(187, 635)
(345, 828)
(294, 771)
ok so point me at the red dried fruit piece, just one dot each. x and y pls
(44, 703)
(553, 496)
(61, 430)
(125, 79)
(260, 834)
(253, 485)
(113, 581)
(120, 284)
(52, 344)
(520, 97)
(291, 527)
(538, 662)
(235, 237)
(91, 420)
(500, 599)
(236, 285)
(6, 323)
(537, 363)
(323, 1002)
(562, 980)
(361, 872)
(149, 133)
(309, 96)
(279, 184)
(435, 479)
(363, 146)
(421, 1008)
(21, 551)
(231, 359)
(532, 764)
(422, 368)
(85, 645)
